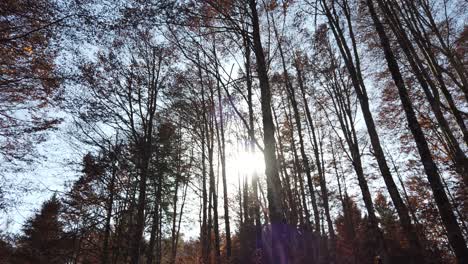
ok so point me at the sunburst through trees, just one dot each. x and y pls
(235, 131)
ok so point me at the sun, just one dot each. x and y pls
(246, 164)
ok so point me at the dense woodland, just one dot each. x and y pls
(357, 109)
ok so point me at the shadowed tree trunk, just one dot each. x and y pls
(276, 210)
(297, 168)
(144, 145)
(352, 63)
(213, 189)
(305, 160)
(255, 213)
(156, 219)
(205, 230)
(110, 202)
(292, 217)
(273, 181)
(315, 146)
(222, 149)
(448, 217)
(341, 106)
(431, 92)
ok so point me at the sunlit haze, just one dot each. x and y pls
(245, 164)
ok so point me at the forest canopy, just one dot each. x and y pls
(235, 131)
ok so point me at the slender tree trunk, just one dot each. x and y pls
(275, 206)
(144, 144)
(205, 231)
(405, 193)
(341, 106)
(448, 218)
(210, 224)
(305, 159)
(174, 252)
(358, 84)
(298, 172)
(110, 202)
(255, 213)
(431, 92)
(292, 218)
(349, 225)
(140, 219)
(174, 218)
(318, 163)
(245, 194)
(222, 146)
(273, 182)
(159, 237)
(241, 205)
(213, 189)
(150, 253)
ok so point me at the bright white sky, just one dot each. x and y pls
(46, 176)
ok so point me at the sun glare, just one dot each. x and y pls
(246, 164)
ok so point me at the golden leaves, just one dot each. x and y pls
(28, 49)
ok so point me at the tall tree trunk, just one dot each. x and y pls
(305, 160)
(150, 253)
(222, 146)
(300, 80)
(174, 252)
(255, 213)
(405, 193)
(431, 92)
(205, 231)
(210, 223)
(341, 105)
(298, 172)
(455, 236)
(174, 215)
(349, 225)
(292, 217)
(354, 70)
(110, 202)
(213, 189)
(273, 181)
(159, 237)
(140, 219)
(241, 204)
(131, 227)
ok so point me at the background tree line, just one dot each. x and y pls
(358, 109)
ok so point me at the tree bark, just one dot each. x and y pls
(273, 181)
(305, 160)
(213, 189)
(431, 92)
(353, 67)
(315, 146)
(222, 146)
(454, 233)
(205, 231)
(298, 172)
(110, 202)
